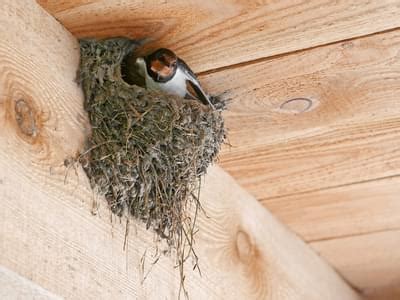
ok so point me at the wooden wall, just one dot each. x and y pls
(59, 239)
(326, 164)
(314, 118)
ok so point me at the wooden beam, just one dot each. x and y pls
(342, 211)
(315, 119)
(14, 286)
(49, 233)
(212, 34)
(370, 262)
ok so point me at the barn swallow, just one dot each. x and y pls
(164, 70)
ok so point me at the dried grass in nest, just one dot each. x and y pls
(148, 150)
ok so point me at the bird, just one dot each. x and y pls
(163, 70)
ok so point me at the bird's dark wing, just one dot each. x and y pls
(184, 66)
(193, 85)
(196, 92)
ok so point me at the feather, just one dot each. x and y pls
(194, 90)
(193, 85)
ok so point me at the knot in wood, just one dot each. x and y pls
(297, 105)
(25, 116)
(244, 246)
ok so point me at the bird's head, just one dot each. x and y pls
(161, 65)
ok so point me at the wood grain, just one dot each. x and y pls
(299, 156)
(15, 287)
(212, 34)
(370, 262)
(58, 234)
(343, 211)
(315, 119)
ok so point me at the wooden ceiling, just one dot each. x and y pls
(314, 121)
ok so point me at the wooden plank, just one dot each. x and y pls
(211, 34)
(14, 287)
(79, 256)
(49, 234)
(344, 126)
(369, 262)
(343, 211)
(387, 293)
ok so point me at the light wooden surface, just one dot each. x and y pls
(217, 33)
(328, 166)
(15, 287)
(49, 234)
(369, 261)
(349, 126)
(342, 211)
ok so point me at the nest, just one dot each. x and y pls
(148, 150)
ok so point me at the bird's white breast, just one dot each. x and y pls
(175, 86)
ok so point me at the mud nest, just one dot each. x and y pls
(148, 150)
